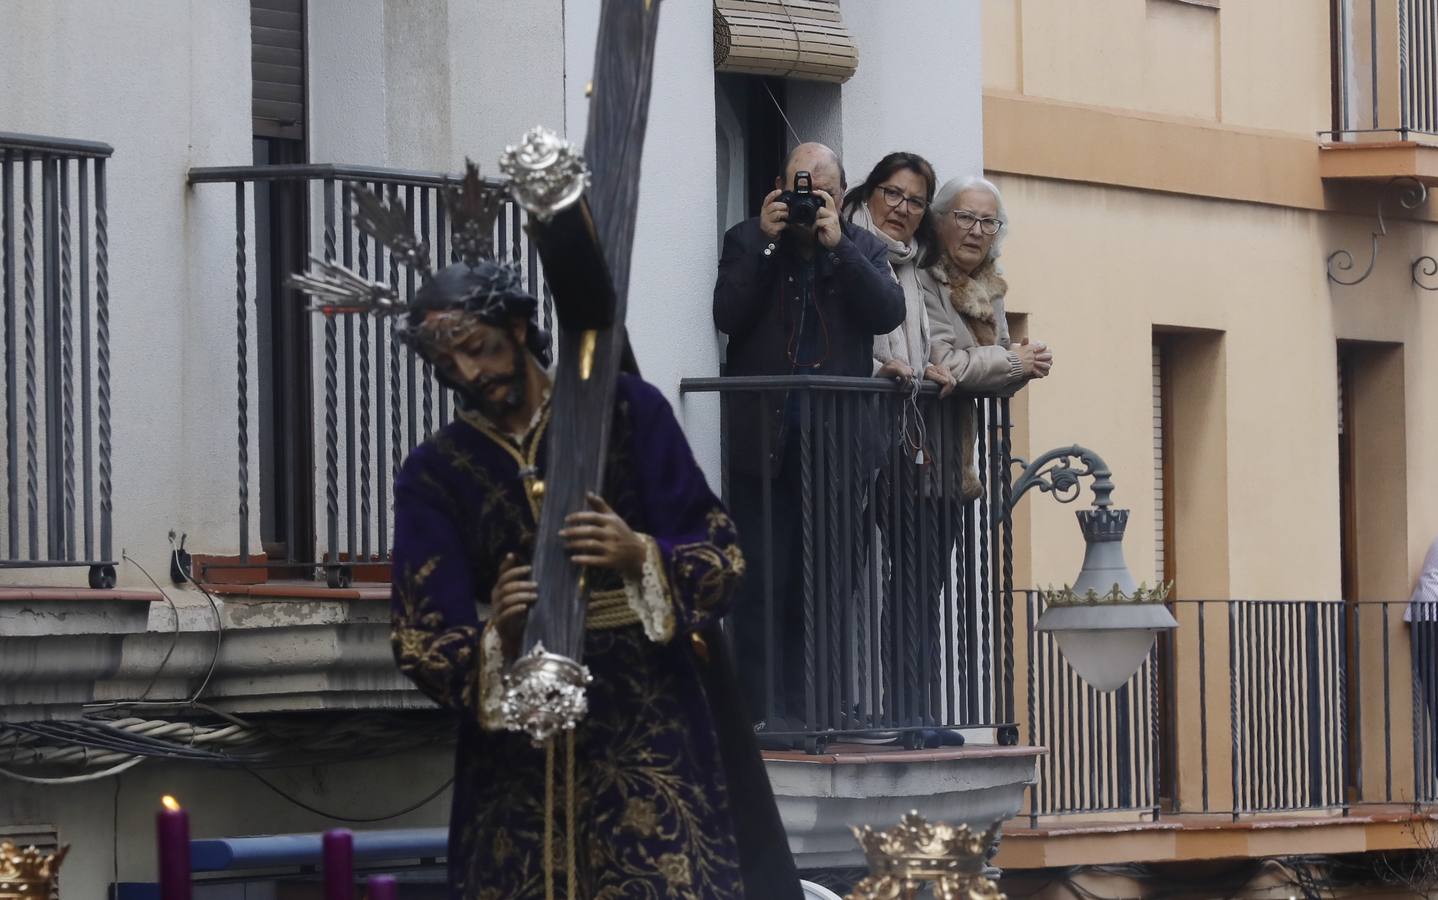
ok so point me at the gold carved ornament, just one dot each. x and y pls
(28, 874)
(914, 852)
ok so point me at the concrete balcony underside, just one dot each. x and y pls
(275, 654)
(821, 797)
(1378, 161)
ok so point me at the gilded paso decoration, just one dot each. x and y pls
(915, 852)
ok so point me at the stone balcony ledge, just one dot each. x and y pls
(821, 796)
(277, 652)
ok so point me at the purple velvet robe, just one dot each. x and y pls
(652, 813)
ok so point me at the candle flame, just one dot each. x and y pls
(170, 803)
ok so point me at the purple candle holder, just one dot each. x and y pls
(339, 864)
(381, 887)
(172, 838)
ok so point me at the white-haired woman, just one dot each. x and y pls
(964, 294)
(969, 337)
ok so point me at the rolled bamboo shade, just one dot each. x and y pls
(788, 38)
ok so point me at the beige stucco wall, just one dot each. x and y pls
(1160, 169)
(1098, 262)
(1259, 64)
(1097, 269)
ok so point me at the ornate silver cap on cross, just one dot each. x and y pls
(544, 694)
(547, 173)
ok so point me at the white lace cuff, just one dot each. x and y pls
(491, 679)
(648, 595)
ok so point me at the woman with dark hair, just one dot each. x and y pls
(893, 204)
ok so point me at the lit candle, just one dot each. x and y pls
(381, 887)
(172, 836)
(339, 853)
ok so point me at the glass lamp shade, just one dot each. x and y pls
(1106, 644)
(1102, 632)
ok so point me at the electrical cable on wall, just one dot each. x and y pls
(121, 744)
(174, 641)
(355, 819)
(74, 779)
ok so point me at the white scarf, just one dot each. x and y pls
(910, 341)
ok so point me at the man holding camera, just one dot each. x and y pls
(799, 292)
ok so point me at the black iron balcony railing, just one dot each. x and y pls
(1385, 68)
(877, 599)
(55, 284)
(1103, 748)
(1263, 706)
(351, 403)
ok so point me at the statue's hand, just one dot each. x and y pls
(510, 601)
(599, 537)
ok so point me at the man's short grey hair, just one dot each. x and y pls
(948, 196)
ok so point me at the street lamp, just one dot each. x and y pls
(1105, 623)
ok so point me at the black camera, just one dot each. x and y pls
(803, 203)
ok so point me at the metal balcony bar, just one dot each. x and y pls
(376, 401)
(903, 619)
(1298, 737)
(54, 278)
(1385, 62)
(1103, 747)
(1418, 65)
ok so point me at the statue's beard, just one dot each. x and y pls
(496, 396)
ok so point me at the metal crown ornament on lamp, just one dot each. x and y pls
(1105, 623)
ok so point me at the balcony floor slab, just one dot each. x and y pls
(1186, 837)
(821, 796)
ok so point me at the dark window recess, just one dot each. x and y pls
(755, 102)
(277, 65)
(277, 62)
(287, 525)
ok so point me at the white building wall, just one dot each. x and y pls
(919, 86)
(345, 82)
(675, 251)
(166, 82)
(423, 86)
(507, 68)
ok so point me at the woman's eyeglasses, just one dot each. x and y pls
(967, 220)
(893, 197)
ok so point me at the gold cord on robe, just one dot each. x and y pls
(571, 873)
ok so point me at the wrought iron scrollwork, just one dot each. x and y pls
(1055, 473)
(1411, 194)
(1425, 267)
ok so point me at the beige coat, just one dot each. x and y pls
(970, 337)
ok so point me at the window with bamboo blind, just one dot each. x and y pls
(803, 39)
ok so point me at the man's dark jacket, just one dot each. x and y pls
(757, 303)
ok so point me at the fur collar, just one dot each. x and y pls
(973, 295)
